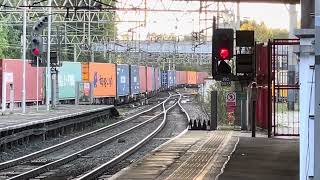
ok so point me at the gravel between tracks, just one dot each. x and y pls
(105, 153)
(125, 111)
(176, 123)
(193, 108)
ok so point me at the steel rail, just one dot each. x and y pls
(101, 169)
(64, 160)
(14, 162)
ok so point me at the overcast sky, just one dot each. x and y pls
(274, 15)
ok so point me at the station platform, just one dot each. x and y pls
(18, 127)
(206, 155)
(18, 119)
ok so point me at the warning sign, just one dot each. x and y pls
(231, 97)
(231, 101)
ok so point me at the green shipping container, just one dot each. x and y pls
(69, 74)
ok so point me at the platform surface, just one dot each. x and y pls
(32, 116)
(227, 154)
(190, 156)
(264, 159)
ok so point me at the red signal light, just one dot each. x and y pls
(36, 51)
(224, 53)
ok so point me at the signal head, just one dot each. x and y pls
(222, 43)
(36, 51)
(224, 53)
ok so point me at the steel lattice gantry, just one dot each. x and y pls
(75, 22)
(80, 24)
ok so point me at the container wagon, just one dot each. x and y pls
(143, 80)
(11, 71)
(69, 74)
(191, 79)
(157, 79)
(171, 79)
(150, 81)
(164, 80)
(201, 76)
(134, 77)
(123, 88)
(103, 78)
(181, 78)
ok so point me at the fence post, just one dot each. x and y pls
(214, 110)
(253, 108)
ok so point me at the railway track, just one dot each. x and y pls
(51, 158)
(97, 172)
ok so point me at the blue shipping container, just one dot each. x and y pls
(122, 79)
(164, 79)
(68, 75)
(154, 79)
(171, 78)
(134, 79)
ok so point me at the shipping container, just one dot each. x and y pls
(178, 81)
(171, 78)
(191, 78)
(143, 79)
(150, 79)
(157, 78)
(164, 79)
(153, 75)
(134, 79)
(11, 71)
(183, 77)
(123, 80)
(68, 76)
(200, 77)
(179, 77)
(103, 77)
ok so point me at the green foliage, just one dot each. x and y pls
(262, 32)
(161, 37)
(222, 106)
(9, 42)
(3, 41)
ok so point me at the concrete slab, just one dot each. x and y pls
(202, 155)
(183, 158)
(264, 159)
(32, 116)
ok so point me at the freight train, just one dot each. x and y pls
(111, 83)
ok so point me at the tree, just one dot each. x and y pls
(9, 42)
(161, 37)
(262, 32)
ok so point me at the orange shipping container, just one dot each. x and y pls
(191, 77)
(183, 77)
(103, 76)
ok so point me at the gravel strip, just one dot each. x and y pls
(105, 153)
(194, 109)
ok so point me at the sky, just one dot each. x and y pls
(183, 23)
(274, 15)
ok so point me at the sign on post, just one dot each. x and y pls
(231, 100)
(225, 81)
